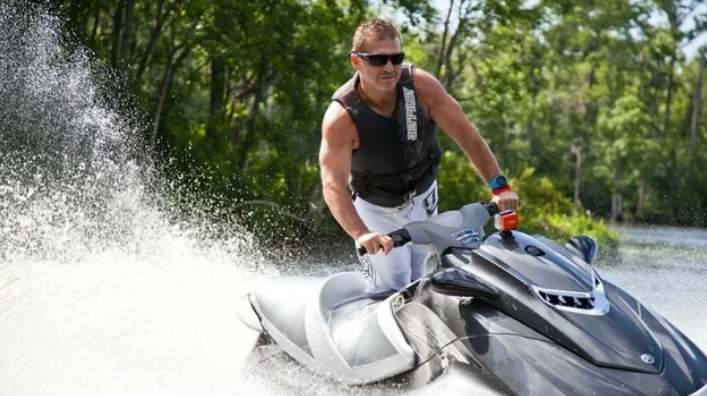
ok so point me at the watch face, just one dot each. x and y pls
(501, 181)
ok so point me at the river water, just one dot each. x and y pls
(105, 289)
(666, 268)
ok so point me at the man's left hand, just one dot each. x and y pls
(507, 200)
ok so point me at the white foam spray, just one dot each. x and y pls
(104, 289)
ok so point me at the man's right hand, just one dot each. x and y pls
(374, 241)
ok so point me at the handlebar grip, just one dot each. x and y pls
(400, 238)
(491, 208)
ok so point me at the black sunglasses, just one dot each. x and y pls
(381, 60)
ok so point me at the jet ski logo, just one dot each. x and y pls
(467, 236)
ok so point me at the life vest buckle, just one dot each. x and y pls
(405, 179)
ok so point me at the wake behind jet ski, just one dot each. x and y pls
(507, 314)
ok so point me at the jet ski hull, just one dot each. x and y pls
(514, 315)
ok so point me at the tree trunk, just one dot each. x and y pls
(217, 96)
(154, 36)
(535, 77)
(442, 49)
(219, 82)
(669, 96)
(697, 107)
(244, 144)
(127, 21)
(115, 34)
(96, 22)
(554, 101)
(616, 207)
(166, 80)
(133, 54)
(507, 127)
(75, 14)
(556, 87)
(448, 67)
(78, 16)
(577, 151)
(529, 127)
(270, 110)
(641, 199)
(590, 107)
(166, 84)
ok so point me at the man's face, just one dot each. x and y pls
(385, 77)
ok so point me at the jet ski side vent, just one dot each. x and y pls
(587, 303)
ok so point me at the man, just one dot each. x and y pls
(379, 137)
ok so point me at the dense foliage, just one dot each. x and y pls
(591, 107)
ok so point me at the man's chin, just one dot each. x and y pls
(387, 84)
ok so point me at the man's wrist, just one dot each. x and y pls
(357, 234)
(501, 190)
(499, 184)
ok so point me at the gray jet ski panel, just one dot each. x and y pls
(590, 336)
(331, 325)
(282, 302)
(457, 228)
(357, 334)
(498, 352)
(679, 358)
(550, 270)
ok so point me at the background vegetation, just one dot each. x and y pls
(591, 106)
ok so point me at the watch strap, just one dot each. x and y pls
(500, 190)
(498, 182)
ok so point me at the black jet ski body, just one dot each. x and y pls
(511, 314)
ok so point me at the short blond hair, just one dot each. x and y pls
(375, 29)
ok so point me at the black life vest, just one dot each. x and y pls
(397, 156)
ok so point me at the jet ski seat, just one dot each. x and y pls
(354, 337)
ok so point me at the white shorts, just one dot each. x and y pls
(403, 264)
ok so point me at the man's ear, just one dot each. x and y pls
(355, 61)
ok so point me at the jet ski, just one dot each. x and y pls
(503, 314)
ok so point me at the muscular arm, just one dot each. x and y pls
(339, 137)
(447, 113)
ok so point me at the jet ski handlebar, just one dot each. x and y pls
(491, 208)
(401, 237)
